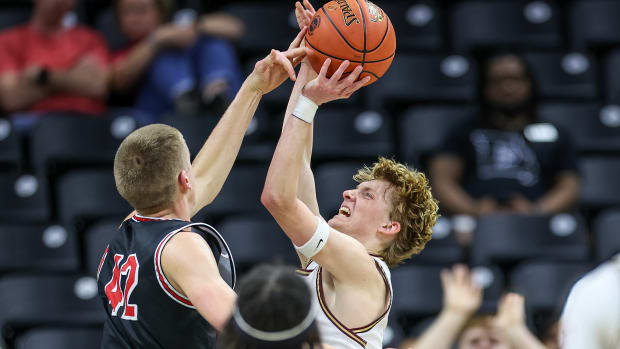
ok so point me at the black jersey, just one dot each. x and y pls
(143, 308)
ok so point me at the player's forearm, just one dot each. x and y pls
(215, 160)
(562, 196)
(443, 332)
(280, 192)
(306, 191)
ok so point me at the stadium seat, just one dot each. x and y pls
(607, 234)
(256, 239)
(443, 248)
(594, 23)
(25, 302)
(352, 133)
(267, 26)
(418, 24)
(38, 247)
(590, 126)
(509, 238)
(417, 294)
(564, 75)
(599, 181)
(533, 24)
(23, 198)
(61, 142)
(10, 147)
(96, 238)
(545, 286)
(84, 196)
(331, 180)
(611, 74)
(423, 130)
(60, 338)
(424, 78)
(195, 130)
(240, 194)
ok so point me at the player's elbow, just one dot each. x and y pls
(274, 201)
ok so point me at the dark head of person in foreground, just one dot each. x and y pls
(274, 310)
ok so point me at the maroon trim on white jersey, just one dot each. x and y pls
(161, 278)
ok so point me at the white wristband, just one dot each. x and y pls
(317, 241)
(305, 109)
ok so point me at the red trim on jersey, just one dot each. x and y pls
(163, 282)
(140, 218)
(105, 254)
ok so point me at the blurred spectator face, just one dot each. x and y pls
(54, 10)
(138, 18)
(479, 337)
(507, 83)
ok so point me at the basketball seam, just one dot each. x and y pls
(339, 33)
(364, 23)
(387, 29)
(371, 73)
(342, 59)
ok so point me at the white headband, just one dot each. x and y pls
(279, 335)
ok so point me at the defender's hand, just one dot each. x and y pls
(304, 13)
(322, 90)
(271, 71)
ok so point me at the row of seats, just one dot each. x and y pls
(253, 237)
(418, 293)
(82, 195)
(421, 25)
(30, 320)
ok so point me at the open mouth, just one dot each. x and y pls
(344, 211)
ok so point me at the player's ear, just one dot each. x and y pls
(390, 228)
(184, 181)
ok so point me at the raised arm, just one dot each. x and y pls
(341, 253)
(215, 159)
(461, 299)
(190, 266)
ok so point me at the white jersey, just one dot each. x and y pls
(591, 316)
(333, 332)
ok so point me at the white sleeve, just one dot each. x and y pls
(591, 316)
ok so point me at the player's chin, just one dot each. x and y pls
(338, 222)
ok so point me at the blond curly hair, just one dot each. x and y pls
(412, 205)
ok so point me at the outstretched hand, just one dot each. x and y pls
(271, 71)
(322, 90)
(304, 13)
(460, 294)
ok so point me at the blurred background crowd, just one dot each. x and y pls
(511, 107)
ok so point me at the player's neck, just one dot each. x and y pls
(175, 211)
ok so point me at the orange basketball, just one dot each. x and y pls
(357, 30)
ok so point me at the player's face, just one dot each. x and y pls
(364, 210)
(482, 338)
(138, 18)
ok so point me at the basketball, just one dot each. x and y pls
(354, 30)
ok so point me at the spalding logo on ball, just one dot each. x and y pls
(357, 30)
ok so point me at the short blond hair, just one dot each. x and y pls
(147, 165)
(412, 205)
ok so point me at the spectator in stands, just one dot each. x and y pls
(274, 310)
(456, 326)
(504, 160)
(47, 67)
(174, 65)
